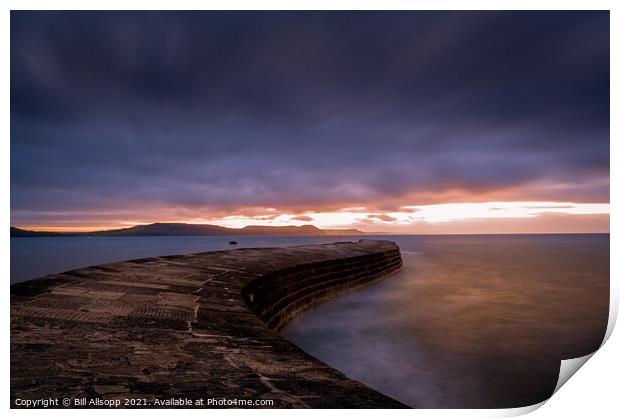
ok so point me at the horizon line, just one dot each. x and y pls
(46, 229)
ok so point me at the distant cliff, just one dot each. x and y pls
(183, 229)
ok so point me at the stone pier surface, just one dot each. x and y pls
(191, 326)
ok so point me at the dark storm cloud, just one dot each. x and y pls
(223, 110)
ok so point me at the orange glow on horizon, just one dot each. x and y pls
(409, 219)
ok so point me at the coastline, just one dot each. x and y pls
(190, 326)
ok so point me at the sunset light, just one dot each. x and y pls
(331, 209)
(408, 217)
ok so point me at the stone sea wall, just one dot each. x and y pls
(278, 297)
(189, 327)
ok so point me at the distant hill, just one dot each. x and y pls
(18, 232)
(166, 229)
(183, 229)
(343, 232)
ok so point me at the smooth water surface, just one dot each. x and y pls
(32, 257)
(470, 322)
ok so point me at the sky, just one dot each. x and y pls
(399, 122)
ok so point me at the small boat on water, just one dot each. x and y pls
(232, 242)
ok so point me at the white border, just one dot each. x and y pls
(592, 393)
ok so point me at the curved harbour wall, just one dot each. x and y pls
(278, 297)
(190, 326)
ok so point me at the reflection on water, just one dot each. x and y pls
(471, 321)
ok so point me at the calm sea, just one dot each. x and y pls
(32, 257)
(471, 321)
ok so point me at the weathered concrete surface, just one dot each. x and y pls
(189, 326)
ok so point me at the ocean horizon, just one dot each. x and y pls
(33, 257)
